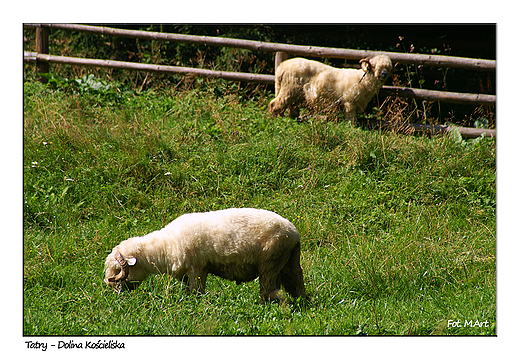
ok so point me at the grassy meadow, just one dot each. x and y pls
(398, 232)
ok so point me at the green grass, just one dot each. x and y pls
(398, 232)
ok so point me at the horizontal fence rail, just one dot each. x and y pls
(301, 50)
(112, 64)
(434, 95)
(429, 95)
(409, 128)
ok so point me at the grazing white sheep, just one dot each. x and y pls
(235, 244)
(318, 86)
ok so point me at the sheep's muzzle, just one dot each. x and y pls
(119, 278)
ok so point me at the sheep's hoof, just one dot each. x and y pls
(126, 286)
(274, 295)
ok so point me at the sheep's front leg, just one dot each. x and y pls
(350, 111)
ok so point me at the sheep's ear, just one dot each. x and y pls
(365, 64)
(131, 261)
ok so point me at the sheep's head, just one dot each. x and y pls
(117, 270)
(380, 66)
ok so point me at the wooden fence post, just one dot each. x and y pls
(278, 58)
(42, 47)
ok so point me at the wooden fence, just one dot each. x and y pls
(42, 59)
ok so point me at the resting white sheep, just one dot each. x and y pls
(236, 244)
(318, 86)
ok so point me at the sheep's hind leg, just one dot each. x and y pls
(285, 99)
(270, 276)
(276, 107)
(268, 288)
(294, 111)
